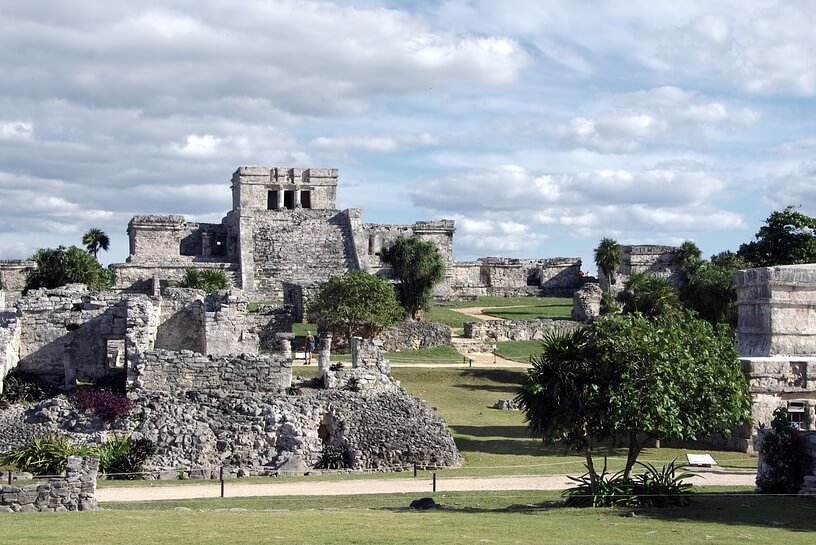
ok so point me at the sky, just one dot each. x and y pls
(540, 127)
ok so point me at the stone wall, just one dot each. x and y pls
(75, 492)
(300, 246)
(586, 303)
(645, 258)
(9, 344)
(515, 330)
(166, 371)
(415, 335)
(228, 327)
(507, 277)
(13, 276)
(65, 331)
(181, 320)
(776, 310)
(778, 381)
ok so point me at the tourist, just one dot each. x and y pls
(308, 347)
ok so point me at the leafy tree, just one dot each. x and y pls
(59, 266)
(633, 379)
(209, 280)
(649, 294)
(94, 240)
(708, 288)
(787, 238)
(608, 257)
(417, 264)
(355, 304)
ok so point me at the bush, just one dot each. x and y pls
(209, 280)
(124, 457)
(105, 405)
(46, 455)
(652, 488)
(783, 452)
(332, 457)
(23, 387)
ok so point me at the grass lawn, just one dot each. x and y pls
(518, 350)
(531, 312)
(508, 302)
(445, 315)
(471, 517)
(495, 442)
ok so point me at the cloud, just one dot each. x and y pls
(16, 130)
(377, 144)
(793, 187)
(668, 113)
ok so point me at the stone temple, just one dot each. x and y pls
(284, 227)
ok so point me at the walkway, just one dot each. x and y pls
(422, 485)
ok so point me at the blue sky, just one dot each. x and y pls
(540, 127)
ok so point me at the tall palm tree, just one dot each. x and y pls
(94, 240)
(608, 257)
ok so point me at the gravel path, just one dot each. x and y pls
(233, 489)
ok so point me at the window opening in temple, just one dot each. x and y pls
(219, 246)
(306, 199)
(272, 200)
(796, 412)
(115, 353)
(532, 278)
(289, 199)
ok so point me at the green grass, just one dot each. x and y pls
(471, 517)
(438, 354)
(300, 330)
(509, 302)
(518, 350)
(444, 315)
(495, 442)
(531, 312)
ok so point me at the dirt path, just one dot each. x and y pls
(476, 312)
(422, 485)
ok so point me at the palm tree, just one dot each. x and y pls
(608, 257)
(688, 255)
(94, 240)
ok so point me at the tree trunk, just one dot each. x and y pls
(632, 454)
(593, 475)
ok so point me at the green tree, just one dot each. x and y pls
(608, 257)
(649, 294)
(688, 254)
(94, 240)
(209, 280)
(355, 304)
(673, 376)
(59, 266)
(787, 238)
(418, 266)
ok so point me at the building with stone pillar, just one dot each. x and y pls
(776, 339)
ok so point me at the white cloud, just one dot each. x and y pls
(379, 144)
(16, 130)
(199, 145)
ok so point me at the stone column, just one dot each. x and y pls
(325, 353)
(285, 340)
(297, 198)
(205, 244)
(69, 367)
(156, 285)
(2, 300)
(280, 198)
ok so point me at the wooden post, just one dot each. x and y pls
(415, 469)
(221, 478)
(434, 481)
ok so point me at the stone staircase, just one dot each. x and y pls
(470, 346)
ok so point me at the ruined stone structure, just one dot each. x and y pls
(202, 394)
(75, 492)
(776, 339)
(284, 227)
(514, 330)
(645, 258)
(12, 279)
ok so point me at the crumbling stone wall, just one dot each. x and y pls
(228, 327)
(9, 343)
(507, 277)
(514, 330)
(64, 332)
(181, 320)
(586, 303)
(75, 492)
(775, 382)
(408, 335)
(166, 371)
(645, 258)
(13, 277)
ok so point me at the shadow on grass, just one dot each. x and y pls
(503, 376)
(512, 390)
(519, 432)
(519, 446)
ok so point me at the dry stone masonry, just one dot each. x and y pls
(515, 330)
(75, 492)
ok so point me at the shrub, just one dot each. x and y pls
(332, 457)
(783, 452)
(123, 456)
(652, 488)
(209, 280)
(46, 455)
(23, 387)
(105, 405)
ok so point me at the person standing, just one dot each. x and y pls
(308, 347)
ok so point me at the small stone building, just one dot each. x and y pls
(776, 339)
